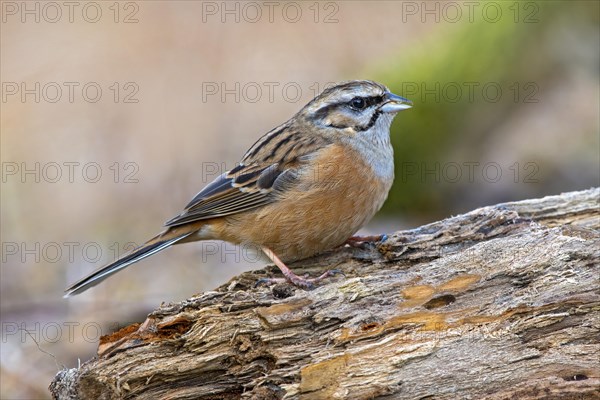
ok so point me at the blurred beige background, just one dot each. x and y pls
(113, 115)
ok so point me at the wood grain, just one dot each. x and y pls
(498, 303)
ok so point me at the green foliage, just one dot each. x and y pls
(447, 124)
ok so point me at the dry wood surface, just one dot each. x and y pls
(500, 303)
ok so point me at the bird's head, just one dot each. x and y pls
(353, 107)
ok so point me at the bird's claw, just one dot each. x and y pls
(362, 241)
(303, 282)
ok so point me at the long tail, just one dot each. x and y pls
(152, 246)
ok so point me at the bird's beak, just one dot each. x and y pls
(394, 103)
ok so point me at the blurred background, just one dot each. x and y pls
(114, 114)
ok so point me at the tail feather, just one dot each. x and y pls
(152, 246)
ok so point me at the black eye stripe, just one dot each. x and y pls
(373, 100)
(369, 101)
(326, 110)
(358, 103)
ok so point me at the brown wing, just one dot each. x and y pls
(270, 167)
(241, 189)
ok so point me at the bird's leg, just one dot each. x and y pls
(359, 241)
(290, 276)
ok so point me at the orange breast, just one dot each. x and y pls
(331, 201)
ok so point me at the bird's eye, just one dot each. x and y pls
(358, 103)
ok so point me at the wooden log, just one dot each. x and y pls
(499, 303)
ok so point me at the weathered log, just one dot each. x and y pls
(499, 303)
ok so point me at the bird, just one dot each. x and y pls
(304, 187)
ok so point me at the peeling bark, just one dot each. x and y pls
(499, 303)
